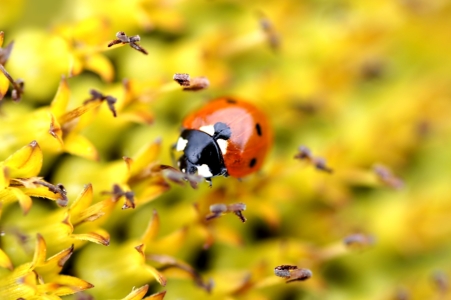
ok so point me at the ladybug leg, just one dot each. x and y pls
(210, 183)
(224, 172)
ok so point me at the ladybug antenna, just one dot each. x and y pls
(222, 131)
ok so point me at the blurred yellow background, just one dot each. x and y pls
(362, 84)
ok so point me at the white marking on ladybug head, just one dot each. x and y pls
(204, 171)
(181, 144)
(208, 129)
(222, 145)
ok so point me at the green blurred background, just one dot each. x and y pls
(358, 82)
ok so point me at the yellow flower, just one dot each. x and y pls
(74, 225)
(18, 179)
(40, 278)
(85, 49)
(133, 258)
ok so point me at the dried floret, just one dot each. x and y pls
(122, 38)
(359, 240)
(319, 163)
(292, 273)
(5, 77)
(191, 84)
(219, 209)
(387, 177)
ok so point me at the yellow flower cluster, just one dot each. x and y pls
(352, 203)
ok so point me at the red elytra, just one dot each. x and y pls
(251, 136)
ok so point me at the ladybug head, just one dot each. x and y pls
(203, 150)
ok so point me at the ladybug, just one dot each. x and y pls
(227, 137)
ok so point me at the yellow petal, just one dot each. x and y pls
(4, 85)
(137, 294)
(61, 99)
(7, 196)
(4, 178)
(5, 262)
(94, 212)
(82, 202)
(55, 264)
(79, 145)
(89, 215)
(77, 112)
(26, 162)
(24, 200)
(67, 285)
(137, 112)
(171, 243)
(84, 29)
(156, 274)
(75, 66)
(65, 228)
(148, 190)
(141, 248)
(40, 251)
(99, 64)
(89, 116)
(99, 236)
(56, 131)
(152, 229)
(156, 296)
(169, 261)
(145, 157)
(21, 283)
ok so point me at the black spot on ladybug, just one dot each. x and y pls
(230, 101)
(259, 129)
(252, 162)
